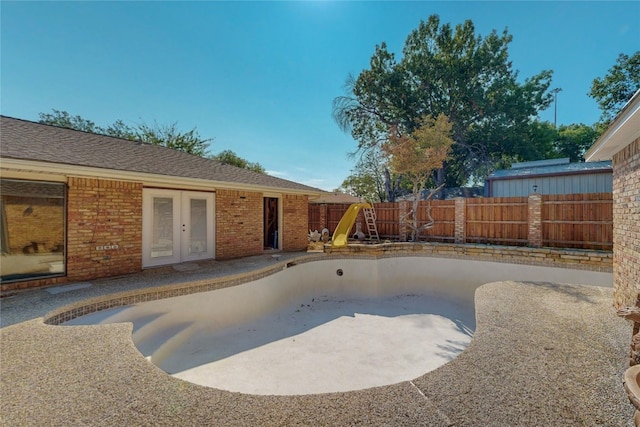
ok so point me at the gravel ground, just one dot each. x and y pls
(543, 355)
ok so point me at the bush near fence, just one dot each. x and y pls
(580, 221)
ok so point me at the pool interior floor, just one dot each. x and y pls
(325, 345)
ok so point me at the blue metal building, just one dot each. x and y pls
(554, 176)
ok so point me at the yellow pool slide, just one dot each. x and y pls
(341, 233)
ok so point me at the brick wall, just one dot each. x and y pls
(626, 225)
(239, 224)
(579, 259)
(295, 222)
(106, 213)
(460, 221)
(534, 220)
(323, 216)
(103, 213)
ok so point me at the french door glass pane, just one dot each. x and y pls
(162, 240)
(198, 237)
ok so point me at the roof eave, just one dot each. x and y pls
(624, 129)
(148, 179)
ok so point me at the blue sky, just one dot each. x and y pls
(259, 77)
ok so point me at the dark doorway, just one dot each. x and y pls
(270, 223)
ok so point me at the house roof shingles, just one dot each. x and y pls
(25, 140)
(336, 197)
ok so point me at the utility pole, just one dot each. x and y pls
(555, 105)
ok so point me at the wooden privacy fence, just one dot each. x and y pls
(387, 220)
(498, 220)
(444, 214)
(583, 221)
(578, 221)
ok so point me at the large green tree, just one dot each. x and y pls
(66, 120)
(169, 136)
(367, 179)
(157, 134)
(165, 135)
(455, 72)
(574, 140)
(229, 157)
(416, 155)
(613, 90)
(564, 141)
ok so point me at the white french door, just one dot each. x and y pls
(177, 226)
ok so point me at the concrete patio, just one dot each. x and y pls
(542, 354)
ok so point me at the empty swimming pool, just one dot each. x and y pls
(323, 326)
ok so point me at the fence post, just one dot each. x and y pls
(535, 220)
(461, 220)
(323, 217)
(403, 207)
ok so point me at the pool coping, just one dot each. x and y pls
(544, 257)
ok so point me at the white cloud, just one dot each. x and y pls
(309, 177)
(278, 174)
(314, 182)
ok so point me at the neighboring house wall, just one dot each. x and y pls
(626, 225)
(295, 223)
(80, 192)
(103, 213)
(239, 224)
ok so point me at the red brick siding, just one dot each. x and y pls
(460, 227)
(99, 213)
(534, 220)
(239, 224)
(295, 222)
(626, 225)
(28, 284)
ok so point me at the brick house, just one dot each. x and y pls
(79, 206)
(621, 143)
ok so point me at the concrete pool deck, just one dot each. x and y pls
(542, 354)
